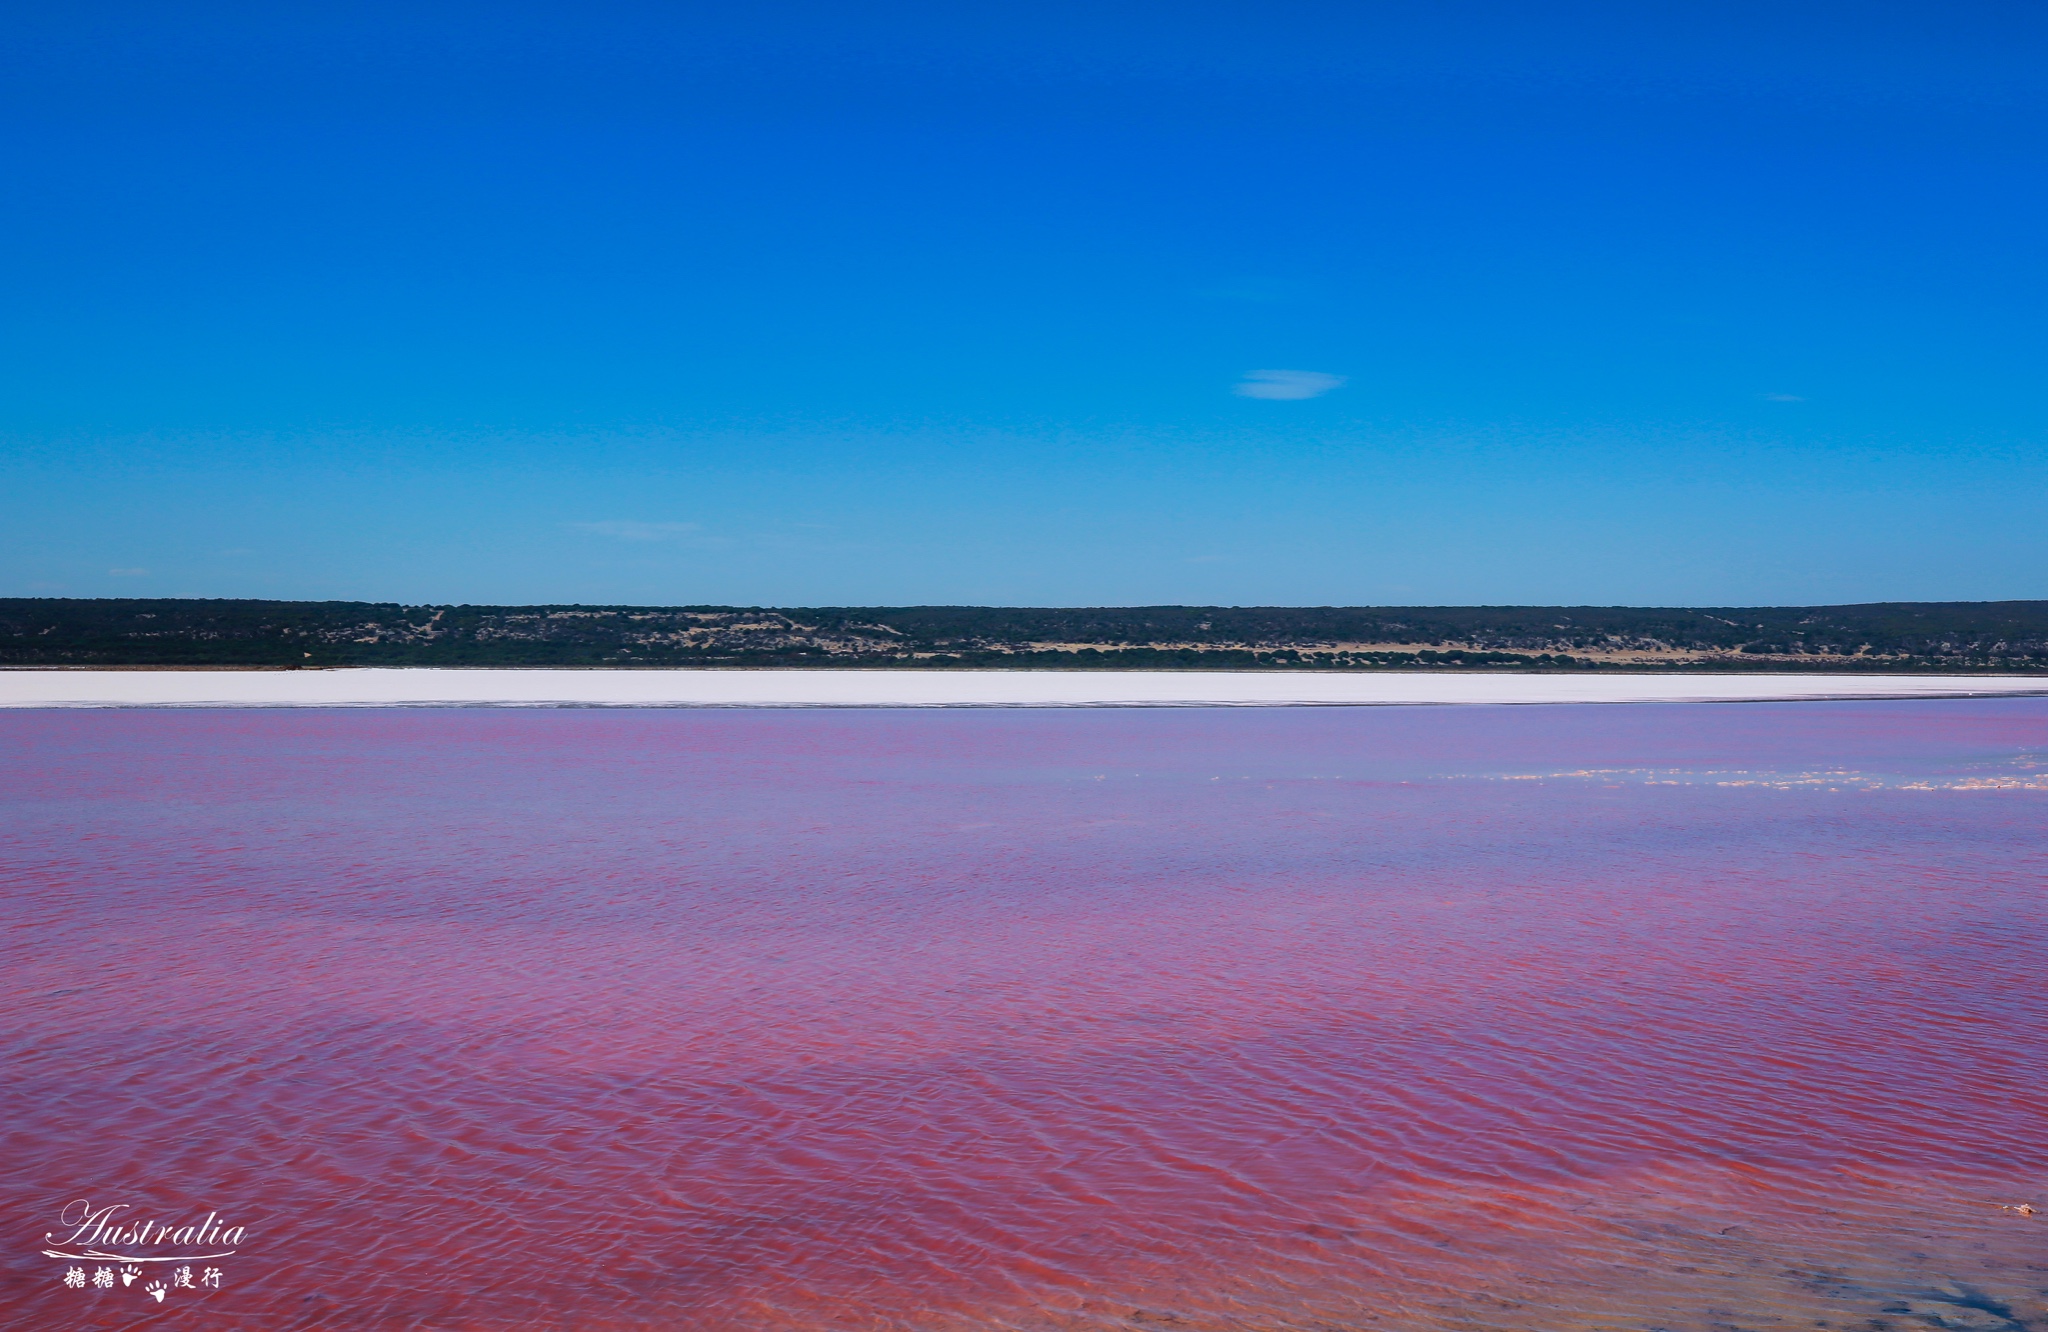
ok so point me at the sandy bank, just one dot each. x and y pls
(423, 687)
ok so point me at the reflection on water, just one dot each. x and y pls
(1677, 1017)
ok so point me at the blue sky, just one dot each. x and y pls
(1278, 303)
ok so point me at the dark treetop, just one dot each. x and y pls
(1883, 636)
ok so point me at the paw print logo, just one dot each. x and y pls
(155, 1290)
(129, 1273)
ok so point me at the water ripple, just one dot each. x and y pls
(1302, 1019)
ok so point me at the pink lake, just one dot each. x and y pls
(1646, 1017)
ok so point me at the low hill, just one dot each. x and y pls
(1883, 636)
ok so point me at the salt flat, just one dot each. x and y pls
(429, 686)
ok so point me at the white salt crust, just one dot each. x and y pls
(444, 687)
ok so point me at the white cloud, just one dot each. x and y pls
(628, 530)
(1257, 291)
(1287, 385)
(1783, 397)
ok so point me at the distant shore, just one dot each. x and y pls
(1881, 638)
(928, 687)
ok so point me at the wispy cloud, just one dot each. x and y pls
(127, 573)
(628, 530)
(1287, 385)
(1257, 291)
(1783, 397)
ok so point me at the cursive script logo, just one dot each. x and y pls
(95, 1232)
(121, 1243)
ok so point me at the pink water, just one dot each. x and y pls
(1678, 1017)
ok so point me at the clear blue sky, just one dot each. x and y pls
(1033, 303)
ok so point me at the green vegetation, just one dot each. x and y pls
(1885, 636)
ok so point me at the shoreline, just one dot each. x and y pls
(930, 687)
